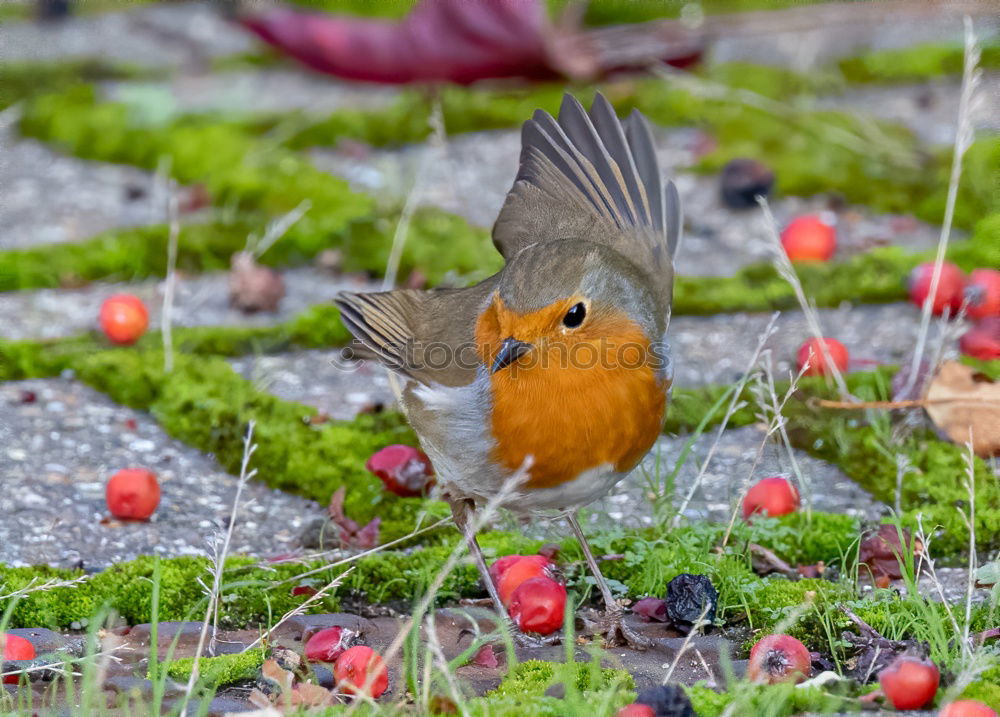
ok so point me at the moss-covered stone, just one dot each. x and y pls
(913, 64)
(215, 672)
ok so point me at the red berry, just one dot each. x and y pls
(773, 496)
(950, 288)
(812, 351)
(636, 710)
(538, 605)
(329, 644)
(502, 565)
(355, 668)
(132, 494)
(524, 569)
(966, 708)
(124, 318)
(982, 341)
(909, 682)
(13, 647)
(778, 658)
(404, 470)
(983, 292)
(809, 237)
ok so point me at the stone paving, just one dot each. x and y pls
(61, 441)
(469, 174)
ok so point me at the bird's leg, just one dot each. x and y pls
(460, 511)
(617, 632)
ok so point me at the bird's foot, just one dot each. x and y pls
(618, 633)
(525, 640)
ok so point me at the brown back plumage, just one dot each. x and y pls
(587, 177)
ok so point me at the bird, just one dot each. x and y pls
(558, 365)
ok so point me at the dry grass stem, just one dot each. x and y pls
(276, 229)
(734, 405)
(785, 269)
(971, 76)
(170, 284)
(479, 519)
(219, 554)
(774, 423)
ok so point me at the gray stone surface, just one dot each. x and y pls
(716, 349)
(172, 34)
(633, 503)
(252, 91)
(321, 379)
(56, 455)
(199, 301)
(48, 197)
(930, 109)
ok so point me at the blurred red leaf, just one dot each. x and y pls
(439, 40)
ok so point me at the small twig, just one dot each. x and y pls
(891, 405)
(866, 629)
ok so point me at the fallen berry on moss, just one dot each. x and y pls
(909, 683)
(635, 710)
(132, 494)
(778, 658)
(329, 644)
(517, 574)
(950, 288)
(772, 496)
(123, 318)
(404, 470)
(811, 352)
(360, 670)
(538, 605)
(809, 237)
(982, 341)
(13, 647)
(967, 708)
(983, 293)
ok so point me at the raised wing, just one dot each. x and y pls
(590, 176)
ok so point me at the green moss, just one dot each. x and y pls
(986, 689)
(214, 672)
(862, 446)
(245, 170)
(765, 700)
(913, 64)
(804, 604)
(533, 677)
(23, 80)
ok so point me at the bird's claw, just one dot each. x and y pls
(618, 633)
(525, 640)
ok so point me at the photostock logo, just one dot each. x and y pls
(603, 355)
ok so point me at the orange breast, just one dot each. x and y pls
(582, 401)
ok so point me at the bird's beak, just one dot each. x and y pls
(510, 351)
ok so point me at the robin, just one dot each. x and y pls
(559, 360)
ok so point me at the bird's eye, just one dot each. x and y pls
(574, 317)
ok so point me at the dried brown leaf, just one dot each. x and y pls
(961, 400)
(306, 694)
